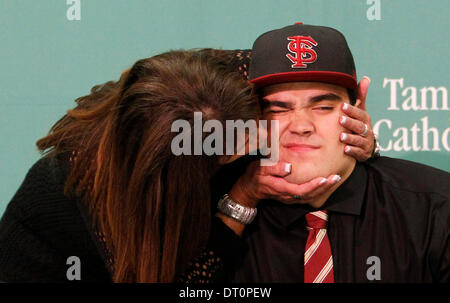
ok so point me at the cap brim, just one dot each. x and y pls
(336, 78)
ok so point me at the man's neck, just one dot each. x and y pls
(320, 200)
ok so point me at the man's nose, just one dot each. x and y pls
(301, 123)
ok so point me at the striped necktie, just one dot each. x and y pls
(318, 260)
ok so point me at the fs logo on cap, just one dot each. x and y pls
(302, 48)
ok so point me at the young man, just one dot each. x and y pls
(384, 220)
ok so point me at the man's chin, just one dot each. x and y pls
(299, 178)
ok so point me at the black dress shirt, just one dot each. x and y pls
(395, 210)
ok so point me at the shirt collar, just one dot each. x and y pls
(347, 199)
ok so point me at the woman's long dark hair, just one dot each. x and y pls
(152, 207)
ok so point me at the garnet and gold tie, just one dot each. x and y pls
(318, 260)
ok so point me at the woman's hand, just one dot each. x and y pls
(360, 142)
(267, 182)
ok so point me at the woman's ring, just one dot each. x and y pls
(366, 130)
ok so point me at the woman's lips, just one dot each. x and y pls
(300, 148)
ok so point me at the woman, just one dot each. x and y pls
(147, 211)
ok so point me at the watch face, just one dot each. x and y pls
(377, 150)
(244, 215)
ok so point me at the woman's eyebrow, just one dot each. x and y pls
(329, 96)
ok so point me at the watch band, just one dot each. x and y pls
(377, 149)
(243, 214)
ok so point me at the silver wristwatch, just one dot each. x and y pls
(377, 150)
(232, 209)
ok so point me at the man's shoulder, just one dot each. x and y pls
(410, 176)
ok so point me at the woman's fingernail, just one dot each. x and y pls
(323, 181)
(367, 78)
(336, 179)
(345, 106)
(343, 119)
(347, 149)
(287, 168)
(343, 136)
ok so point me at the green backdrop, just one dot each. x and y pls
(53, 51)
